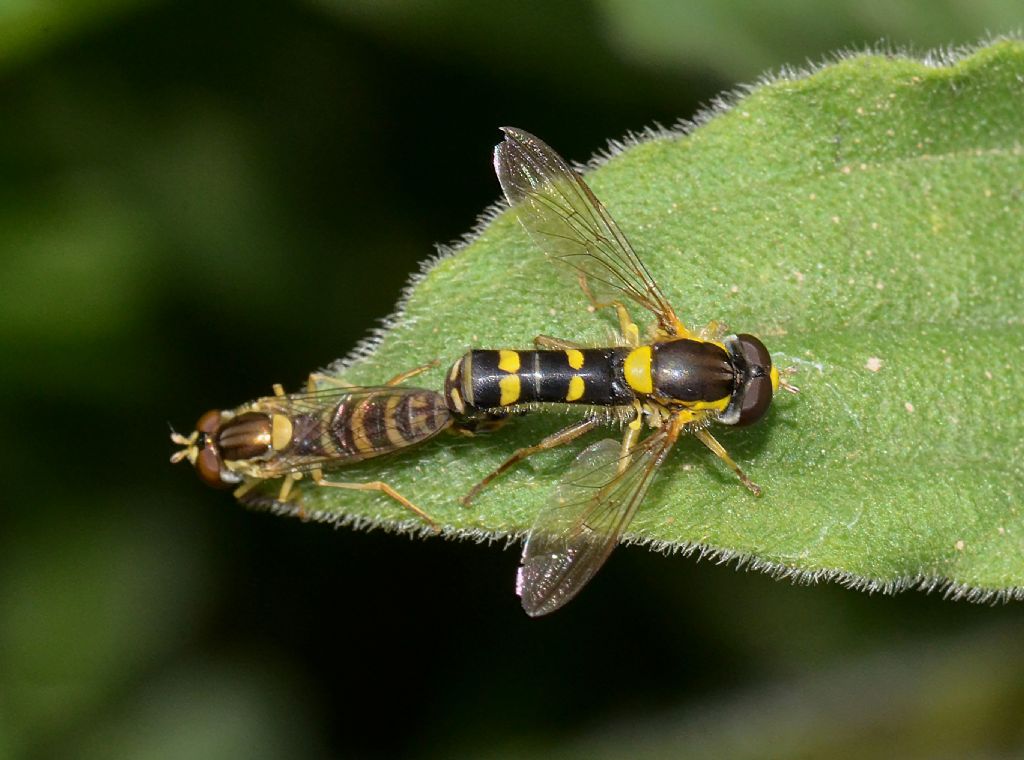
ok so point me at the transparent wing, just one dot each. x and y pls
(574, 535)
(386, 422)
(310, 402)
(568, 222)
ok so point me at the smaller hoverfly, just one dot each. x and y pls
(677, 382)
(290, 435)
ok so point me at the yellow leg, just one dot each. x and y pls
(553, 441)
(315, 379)
(719, 451)
(629, 439)
(670, 326)
(627, 327)
(282, 497)
(714, 330)
(286, 486)
(286, 491)
(403, 376)
(557, 344)
(243, 489)
(384, 488)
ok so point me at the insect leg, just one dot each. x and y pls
(714, 330)
(285, 492)
(317, 378)
(286, 486)
(719, 451)
(629, 440)
(403, 376)
(384, 488)
(243, 489)
(557, 344)
(554, 440)
(627, 327)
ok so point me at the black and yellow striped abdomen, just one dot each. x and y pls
(484, 379)
(688, 372)
(377, 424)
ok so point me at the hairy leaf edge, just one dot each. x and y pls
(937, 58)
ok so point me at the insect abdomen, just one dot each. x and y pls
(385, 422)
(493, 379)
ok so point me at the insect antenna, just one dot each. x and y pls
(784, 383)
(188, 444)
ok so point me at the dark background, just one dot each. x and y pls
(201, 199)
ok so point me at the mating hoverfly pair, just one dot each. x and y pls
(676, 383)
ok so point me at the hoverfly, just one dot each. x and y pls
(290, 435)
(677, 382)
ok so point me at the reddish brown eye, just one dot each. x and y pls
(753, 384)
(754, 352)
(757, 397)
(209, 422)
(208, 467)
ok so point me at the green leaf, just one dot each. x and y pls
(28, 26)
(866, 221)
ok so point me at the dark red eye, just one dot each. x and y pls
(756, 398)
(753, 380)
(209, 422)
(208, 467)
(754, 353)
(756, 393)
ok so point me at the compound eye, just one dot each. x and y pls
(757, 397)
(209, 422)
(754, 353)
(208, 467)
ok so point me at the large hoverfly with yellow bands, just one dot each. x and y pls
(677, 383)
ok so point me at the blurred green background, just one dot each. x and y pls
(202, 199)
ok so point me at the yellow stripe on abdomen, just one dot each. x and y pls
(395, 437)
(576, 388)
(360, 435)
(637, 370)
(510, 388)
(508, 361)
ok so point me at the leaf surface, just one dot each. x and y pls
(867, 222)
